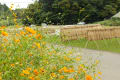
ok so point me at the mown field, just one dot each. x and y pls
(112, 45)
(25, 55)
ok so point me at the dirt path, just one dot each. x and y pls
(110, 62)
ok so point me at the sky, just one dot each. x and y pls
(17, 3)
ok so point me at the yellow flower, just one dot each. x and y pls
(100, 73)
(17, 40)
(97, 61)
(0, 78)
(3, 45)
(95, 75)
(4, 33)
(88, 77)
(81, 66)
(26, 72)
(38, 45)
(53, 75)
(65, 69)
(70, 79)
(99, 78)
(42, 70)
(77, 59)
(66, 58)
(29, 69)
(17, 26)
(4, 50)
(15, 20)
(43, 43)
(14, 14)
(31, 78)
(12, 65)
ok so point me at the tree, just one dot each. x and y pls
(71, 11)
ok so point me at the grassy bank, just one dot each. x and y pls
(109, 22)
(112, 45)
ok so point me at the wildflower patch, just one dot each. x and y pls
(26, 56)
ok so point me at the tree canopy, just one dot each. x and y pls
(69, 11)
(4, 11)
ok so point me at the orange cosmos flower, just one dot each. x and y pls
(31, 63)
(88, 77)
(22, 74)
(3, 27)
(61, 77)
(39, 36)
(30, 30)
(5, 40)
(4, 50)
(65, 69)
(71, 70)
(29, 35)
(4, 33)
(36, 72)
(17, 34)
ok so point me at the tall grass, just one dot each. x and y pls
(111, 45)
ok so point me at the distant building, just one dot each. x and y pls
(116, 15)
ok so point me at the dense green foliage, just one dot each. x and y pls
(4, 10)
(70, 11)
(5, 16)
